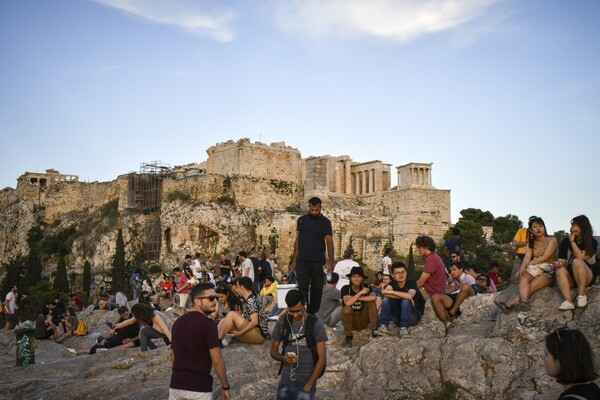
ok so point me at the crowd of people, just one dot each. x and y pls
(219, 303)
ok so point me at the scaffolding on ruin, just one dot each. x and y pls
(144, 194)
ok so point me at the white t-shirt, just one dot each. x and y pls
(343, 268)
(248, 269)
(12, 302)
(386, 265)
(197, 269)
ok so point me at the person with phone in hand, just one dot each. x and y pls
(303, 357)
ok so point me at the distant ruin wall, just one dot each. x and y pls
(65, 197)
(417, 212)
(257, 160)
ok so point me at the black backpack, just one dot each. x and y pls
(309, 334)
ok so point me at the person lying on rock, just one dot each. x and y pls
(444, 304)
(123, 338)
(154, 325)
(249, 326)
(359, 308)
(475, 272)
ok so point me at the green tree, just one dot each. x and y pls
(560, 236)
(14, 270)
(411, 264)
(471, 236)
(119, 267)
(87, 278)
(505, 228)
(38, 296)
(61, 282)
(485, 218)
(33, 270)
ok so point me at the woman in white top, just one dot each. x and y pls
(343, 267)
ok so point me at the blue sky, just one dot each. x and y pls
(502, 96)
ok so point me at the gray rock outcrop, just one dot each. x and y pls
(487, 355)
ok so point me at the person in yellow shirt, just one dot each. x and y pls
(520, 241)
(269, 292)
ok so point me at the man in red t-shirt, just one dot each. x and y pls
(183, 288)
(166, 290)
(433, 279)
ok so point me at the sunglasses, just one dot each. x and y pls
(210, 298)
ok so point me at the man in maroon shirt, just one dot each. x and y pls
(77, 301)
(195, 349)
(433, 279)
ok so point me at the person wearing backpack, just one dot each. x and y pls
(303, 355)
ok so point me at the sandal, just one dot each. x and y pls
(502, 306)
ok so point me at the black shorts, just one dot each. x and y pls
(595, 268)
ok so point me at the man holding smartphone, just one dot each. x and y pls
(304, 353)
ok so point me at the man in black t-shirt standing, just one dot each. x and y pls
(403, 303)
(225, 267)
(314, 235)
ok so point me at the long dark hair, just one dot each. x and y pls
(539, 221)
(573, 352)
(233, 301)
(586, 233)
(142, 313)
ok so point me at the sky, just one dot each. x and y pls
(503, 97)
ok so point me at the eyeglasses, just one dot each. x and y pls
(295, 312)
(559, 330)
(210, 298)
(454, 257)
(399, 272)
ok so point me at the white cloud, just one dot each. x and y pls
(398, 20)
(183, 14)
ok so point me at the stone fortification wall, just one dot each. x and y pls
(257, 160)
(417, 212)
(245, 192)
(63, 198)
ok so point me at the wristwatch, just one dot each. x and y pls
(226, 388)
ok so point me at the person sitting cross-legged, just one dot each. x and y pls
(359, 305)
(249, 326)
(441, 303)
(402, 303)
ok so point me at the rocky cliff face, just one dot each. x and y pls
(488, 355)
(208, 213)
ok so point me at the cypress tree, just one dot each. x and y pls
(87, 278)
(119, 268)
(33, 271)
(61, 281)
(411, 263)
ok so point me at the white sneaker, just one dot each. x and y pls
(226, 341)
(381, 331)
(273, 318)
(581, 301)
(566, 305)
(101, 349)
(403, 331)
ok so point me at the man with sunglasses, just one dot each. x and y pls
(195, 349)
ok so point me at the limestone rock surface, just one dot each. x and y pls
(487, 355)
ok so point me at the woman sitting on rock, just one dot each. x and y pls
(153, 323)
(577, 265)
(569, 358)
(537, 268)
(68, 324)
(228, 301)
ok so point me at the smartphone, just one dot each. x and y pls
(290, 354)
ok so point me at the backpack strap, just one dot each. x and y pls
(285, 338)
